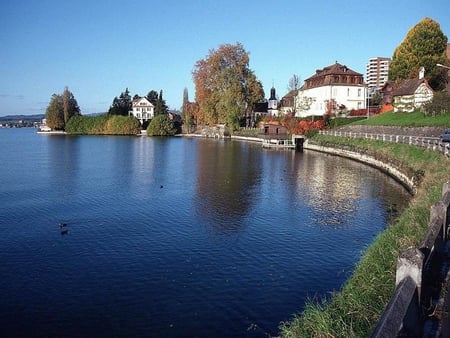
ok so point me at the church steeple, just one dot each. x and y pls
(272, 102)
(272, 94)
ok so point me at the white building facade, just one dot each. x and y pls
(333, 89)
(143, 109)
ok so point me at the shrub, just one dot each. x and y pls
(161, 125)
(122, 125)
(103, 125)
(439, 105)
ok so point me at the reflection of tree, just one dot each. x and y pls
(227, 174)
(63, 162)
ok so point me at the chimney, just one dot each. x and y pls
(421, 73)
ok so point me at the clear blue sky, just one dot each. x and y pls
(98, 48)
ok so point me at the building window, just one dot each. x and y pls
(348, 91)
(359, 92)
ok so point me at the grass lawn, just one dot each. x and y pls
(414, 119)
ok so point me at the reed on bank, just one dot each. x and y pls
(355, 310)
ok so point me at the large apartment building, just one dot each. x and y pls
(377, 71)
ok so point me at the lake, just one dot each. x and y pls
(176, 237)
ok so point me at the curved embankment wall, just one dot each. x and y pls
(408, 182)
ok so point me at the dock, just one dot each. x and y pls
(278, 144)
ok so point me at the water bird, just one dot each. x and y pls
(64, 232)
(62, 225)
(161, 186)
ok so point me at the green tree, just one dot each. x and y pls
(186, 112)
(121, 105)
(424, 46)
(55, 113)
(61, 109)
(70, 105)
(161, 125)
(160, 106)
(152, 96)
(226, 88)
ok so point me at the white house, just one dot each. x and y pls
(333, 88)
(143, 109)
(412, 94)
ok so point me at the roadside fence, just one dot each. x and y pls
(431, 143)
(417, 306)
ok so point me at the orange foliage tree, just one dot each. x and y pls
(295, 125)
(226, 89)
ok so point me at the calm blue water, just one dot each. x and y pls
(175, 237)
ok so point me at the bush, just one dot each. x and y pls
(103, 125)
(161, 125)
(122, 125)
(440, 104)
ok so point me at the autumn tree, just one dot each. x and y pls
(424, 46)
(121, 105)
(226, 88)
(60, 109)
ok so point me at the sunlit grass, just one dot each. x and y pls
(355, 310)
(414, 119)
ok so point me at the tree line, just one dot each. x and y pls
(63, 113)
(227, 90)
(123, 104)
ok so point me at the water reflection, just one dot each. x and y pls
(226, 182)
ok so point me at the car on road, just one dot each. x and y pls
(445, 137)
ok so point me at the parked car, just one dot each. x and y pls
(445, 137)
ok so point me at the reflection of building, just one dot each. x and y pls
(332, 88)
(377, 71)
(143, 109)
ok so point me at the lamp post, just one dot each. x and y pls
(367, 101)
(440, 65)
(446, 82)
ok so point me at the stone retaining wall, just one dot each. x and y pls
(392, 130)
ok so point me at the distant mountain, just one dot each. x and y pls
(25, 118)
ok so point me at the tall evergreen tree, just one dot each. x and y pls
(152, 96)
(70, 105)
(424, 46)
(186, 115)
(160, 106)
(121, 105)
